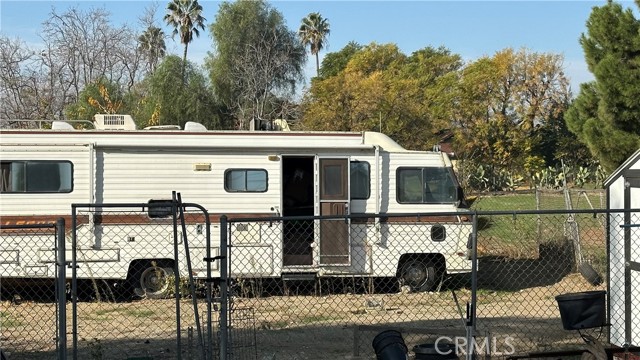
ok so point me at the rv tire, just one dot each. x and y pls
(420, 274)
(154, 282)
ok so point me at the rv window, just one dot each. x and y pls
(36, 176)
(428, 185)
(245, 180)
(360, 180)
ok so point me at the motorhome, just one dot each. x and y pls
(251, 174)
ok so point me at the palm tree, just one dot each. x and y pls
(185, 16)
(151, 44)
(314, 31)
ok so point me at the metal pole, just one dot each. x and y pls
(74, 283)
(176, 276)
(224, 277)
(209, 290)
(192, 289)
(471, 309)
(62, 303)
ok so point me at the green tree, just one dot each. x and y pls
(333, 63)
(257, 60)
(314, 31)
(606, 113)
(503, 103)
(382, 89)
(185, 16)
(165, 102)
(152, 46)
(99, 97)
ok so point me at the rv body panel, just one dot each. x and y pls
(131, 167)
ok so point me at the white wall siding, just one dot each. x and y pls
(139, 177)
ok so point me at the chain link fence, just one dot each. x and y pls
(137, 285)
(525, 260)
(149, 282)
(321, 287)
(32, 311)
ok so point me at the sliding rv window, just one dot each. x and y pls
(35, 176)
(360, 186)
(427, 185)
(245, 180)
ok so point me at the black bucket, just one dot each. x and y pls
(443, 351)
(389, 345)
(582, 310)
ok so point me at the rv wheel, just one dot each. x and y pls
(419, 274)
(154, 282)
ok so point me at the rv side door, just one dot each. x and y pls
(334, 201)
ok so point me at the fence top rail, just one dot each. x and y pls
(436, 215)
(551, 212)
(231, 218)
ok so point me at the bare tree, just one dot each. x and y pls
(91, 48)
(20, 81)
(259, 95)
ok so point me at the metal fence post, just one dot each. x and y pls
(62, 301)
(74, 283)
(471, 309)
(224, 296)
(176, 274)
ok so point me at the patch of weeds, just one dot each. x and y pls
(104, 314)
(317, 318)
(6, 321)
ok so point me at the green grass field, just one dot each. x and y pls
(521, 235)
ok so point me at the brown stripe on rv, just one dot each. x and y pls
(196, 218)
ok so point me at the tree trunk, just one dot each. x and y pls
(184, 63)
(317, 64)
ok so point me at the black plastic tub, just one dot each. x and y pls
(389, 345)
(443, 351)
(583, 310)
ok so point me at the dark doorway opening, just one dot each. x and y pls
(297, 200)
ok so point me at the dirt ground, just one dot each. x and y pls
(292, 327)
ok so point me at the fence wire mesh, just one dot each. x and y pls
(134, 297)
(29, 309)
(319, 287)
(342, 280)
(377, 282)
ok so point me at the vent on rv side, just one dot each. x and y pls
(114, 122)
(159, 209)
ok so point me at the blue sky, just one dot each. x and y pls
(468, 28)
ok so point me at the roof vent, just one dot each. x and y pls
(194, 126)
(61, 125)
(114, 122)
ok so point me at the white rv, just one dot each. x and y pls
(257, 174)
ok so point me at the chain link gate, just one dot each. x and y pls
(32, 291)
(289, 302)
(141, 281)
(322, 287)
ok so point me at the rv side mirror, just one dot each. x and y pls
(159, 209)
